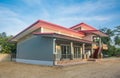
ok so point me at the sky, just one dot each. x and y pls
(16, 15)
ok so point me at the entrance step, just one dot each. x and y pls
(70, 62)
(91, 59)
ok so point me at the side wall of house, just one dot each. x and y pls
(35, 50)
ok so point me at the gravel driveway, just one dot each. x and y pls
(103, 69)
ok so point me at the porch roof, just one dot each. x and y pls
(56, 35)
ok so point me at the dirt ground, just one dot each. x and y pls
(102, 69)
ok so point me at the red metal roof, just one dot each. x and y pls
(44, 24)
(90, 29)
(41, 23)
(58, 27)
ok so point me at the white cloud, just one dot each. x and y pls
(32, 2)
(88, 11)
(84, 8)
(70, 21)
(7, 12)
(85, 11)
(10, 21)
(93, 18)
(12, 26)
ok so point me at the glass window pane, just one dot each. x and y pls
(77, 52)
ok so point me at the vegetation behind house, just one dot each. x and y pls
(113, 41)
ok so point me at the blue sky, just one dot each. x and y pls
(15, 15)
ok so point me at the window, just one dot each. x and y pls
(77, 53)
(65, 51)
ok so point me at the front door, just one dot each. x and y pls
(65, 52)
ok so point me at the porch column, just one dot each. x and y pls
(100, 43)
(91, 50)
(54, 52)
(72, 50)
(83, 50)
(100, 55)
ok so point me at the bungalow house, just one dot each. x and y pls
(50, 44)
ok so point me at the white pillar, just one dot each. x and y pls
(72, 50)
(54, 52)
(100, 47)
(100, 43)
(92, 50)
(83, 50)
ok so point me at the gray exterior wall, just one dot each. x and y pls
(35, 48)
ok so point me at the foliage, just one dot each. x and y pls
(117, 35)
(6, 46)
(117, 30)
(110, 33)
(118, 52)
(117, 40)
(112, 49)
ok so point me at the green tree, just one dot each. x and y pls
(117, 35)
(3, 35)
(6, 46)
(114, 35)
(108, 40)
(110, 33)
(117, 40)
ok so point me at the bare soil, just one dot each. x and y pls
(101, 69)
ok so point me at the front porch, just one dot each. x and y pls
(71, 52)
